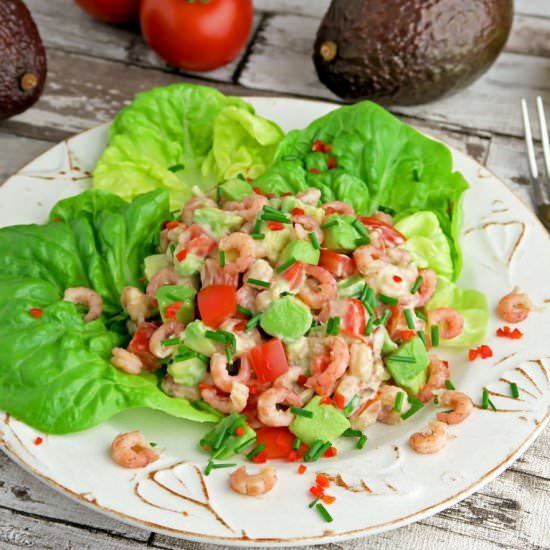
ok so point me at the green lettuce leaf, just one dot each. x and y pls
(185, 139)
(471, 304)
(380, 161)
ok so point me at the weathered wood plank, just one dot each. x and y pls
(530, 35)
(533, 7)
(17, 151)
(316, 8)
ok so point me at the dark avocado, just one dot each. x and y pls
(407, 52)
(22, 59)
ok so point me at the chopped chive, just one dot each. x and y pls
(301, 412)
(253, 322)
(271, 217)
(420, 315)
(361, 442)
(485, 399)
(285, 265)
(314, 502)
(240, 176)
(403, 358)
(422, 336)
(352, 433)
(368, 307)
(222, 258)
(153, 444)
(492, 405)
(377, 322)
(409, 318)
(313, 450)
(220, 439)
(360, 228)
(223, 465)
(314, 241)
(219, 196)
(257, 282)
(172, 250)
(217, 335)
(449, 385)
(333, 326)
(219, 452)
(244, 445)
(436, 400)
(296, 443)
(255, 451)
(228, 355)
(364, 293)
(369, 327)
(208, 468)
(321, 451)
(371, 297)
(385, 317)
(257, 226)
(435, 335)
(272, 210)
(416, 285)
(324, 512)
(398, 403)
(170, 342)
(361, 241)
(352, 405)
(387, 210)
(515, 390)
(388, 300)
(258, 236)
(176, 168)
(244, 311)
(328, 224)
(416, 406)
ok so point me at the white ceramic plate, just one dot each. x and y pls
(385, 486)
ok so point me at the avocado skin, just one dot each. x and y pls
(409, 52)
(21, 53)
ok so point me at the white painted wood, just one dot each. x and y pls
(533, 7)
(313, 8)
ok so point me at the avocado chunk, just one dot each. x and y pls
(410, 375)
(190, 265)
(301, 251)
(153, 264)
(341, 235)
(194, 337)
(287, 319)
(227, 426)
(235, 189)
(172, 294)
(327, 423)
(351, 287)
(410, 63)
(216, 221)
(188, 372)
(289, 203)
(22, 59)
(274, 241)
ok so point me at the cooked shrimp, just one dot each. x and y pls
(460, 403)
(260, 270)
(212, 274)
(170, 235)
(244, 245)
(245, 340)
(383, 217)
(363, 365)
(172, 329)
(325, 290)
(365, 256)
(338, 207)
(86, 297)
(226, 404)
(246, 297)
(430, 441)
(222, 379)
(366, 415)
(310, 196)
(388, 395)
(438, 375)
(132, 450)
(193, 204)
(269, 403)
(328, 367)
(304, 225)
(449, 321)
(164, 277)
(514, 307)
(248, 208)
(253, 484)
(427, 287)
(135, 304)
(172, 388)
(348, 387)
(127, 361)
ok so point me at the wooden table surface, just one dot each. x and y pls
(94, 69)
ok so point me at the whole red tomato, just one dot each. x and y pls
(197, 35)
(112, 11)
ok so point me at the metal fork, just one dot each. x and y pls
(539, 182)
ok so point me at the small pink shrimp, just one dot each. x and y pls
(172, 388)
(269, 402)
(449, 321)
(328, 367)
(514, 307)
(304, 225)
(248, 208)
(213, 274)
(172, 329)
(135, 304)
(383, 217)
(388, 414)
(260, 270)
(366, 414)
(310, 196)
(427, 288)
(338, 207)
(196, 240)
(245, 247)
(86, 297)
(460, 403)
(438, 375)
(246, 297)
(430, 441)
(226, 404)
(253, 484)
(325, 290)
(132, 450)
(220, 375)
(193, 204)
(366, 254)
(164, 277)
(127, 361)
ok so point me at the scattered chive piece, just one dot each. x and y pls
(515, 390)
(398, 404)
(420, 315)
(352, 433)
(268, 208)
(253, 322)
(328, 224)
(377, 322)
(409, 318)
(324, 512)
(312, 450)
(170, 342)
(492, 405)
(361, 442)
(436, 400)
(416, 406)
(369, 327)
(285, 265)
(362, 240)
(301, 412)
(264, 284)
(403, 358)
(368, 307)
(333, 326)
(244, 311)
(321, 451)
(449, 385)
(208, 468)
(416, 285)
(387, 210)
(385, 317)
(371, 298)
(352, 405)
(222, 258)
(219, 195)
(176, 168)
(244, 445)
(258, 236)
(228, 355)
(172, 250)
(314, 502)
(360, 228)
(422, 336)
(364, 293)
(314, 241)
(255, 451)
(388, 300)
(272, 217)
(220, 439)
(153, 444)
(257, 226)
(219, 452)
(296, 443)
(223, 465)
(216, 335)
(435, 335)
(485, 400)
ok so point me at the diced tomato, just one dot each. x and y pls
(294, 275)
(322, 480)
(331, 452)
(260, 458)
(315, 170)
(485, 351)
(172, 310)
(171, 225)
(389, 233)
(331, 163)
(36, 312)
(57, 219)
(269, 360)
(39, 440)
(181, 255)
(249, 180)
(298, 211)
(406, 335)
(302, 379)
(340, 400)
(516, 334)
(287, 194)
(140, 345)
(328, 499)
(302, 469)
(328, 148)
(258, 191)
(337, 264)
(472, 354)
(355, 320)
(293, 456)
(201, 243)
(275, 226)
(216, 304)
(318, 146)
(326, 401)
(317, 491)
(397, 279)
(240, 431)
(239, 327)
(278, 442)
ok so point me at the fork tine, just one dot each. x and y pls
(544, 135)
(531, 156)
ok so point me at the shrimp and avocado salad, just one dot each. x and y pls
(292, 289)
